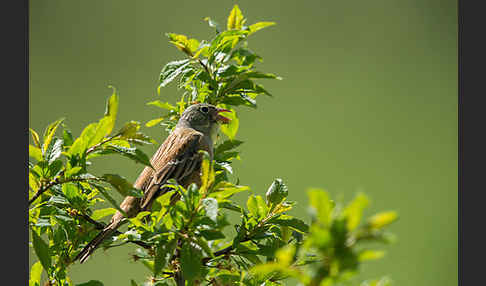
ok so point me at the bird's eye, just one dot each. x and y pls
(205, 109)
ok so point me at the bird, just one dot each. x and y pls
(178, 158)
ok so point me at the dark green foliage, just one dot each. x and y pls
(186, 241)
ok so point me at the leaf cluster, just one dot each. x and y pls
(63, 193)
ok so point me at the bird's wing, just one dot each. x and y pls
(177, 159)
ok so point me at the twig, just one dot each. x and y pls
(101, 226)
(44, 188)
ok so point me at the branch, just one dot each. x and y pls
(44, 188)
(92, 148)
(101, 226)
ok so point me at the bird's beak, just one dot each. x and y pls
(220, 117)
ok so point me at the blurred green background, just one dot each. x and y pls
(368, 103)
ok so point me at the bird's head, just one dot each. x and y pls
(203, 117)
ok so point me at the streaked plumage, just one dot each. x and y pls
(177, 158)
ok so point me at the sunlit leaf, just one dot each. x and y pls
(368, 254)
(260, 25)
(154, 122)
(81, 143)
(230, 129)
(163, 105)
(382, 219)
(35, 138)
(354, 211)
(320, 205)
(235, 18)
(101, 213)
(277, 192)
(257, 206)
(35, 152)
(49, 133)
(35, 274)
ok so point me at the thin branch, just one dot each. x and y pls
(92, 148)
(44, 188)
(55, 182)
(101, 226)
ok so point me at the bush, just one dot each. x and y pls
(187, 242)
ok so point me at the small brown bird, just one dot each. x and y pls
(177, 158)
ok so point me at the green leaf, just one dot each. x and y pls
(320, 205)
(212, 234)
(54, 168)
(101, 213)
(292, 222)
(222, 39)
(81, 143)
(211, 208)
(133, 283)
(91, 283)
(235, 19)
(382, 219)
(354, 211)
(123, 187)
(55, 152)
(35, 274)
(149, 264)
(239, 99)
(285, 255)
(163, 252)
(257, 207)
(172, 70)
(72, 171)
(230, 206)
(207, 173)
(67, 137)
(203, 243)
(368, 254)
(191, 262)
(111, 111)
(230, 129)
(35, 152)
(257, 74)
(260, 25)
(154, 122)
(129, 129)
(33, 182)
(227, 145)
(41, 249)
(276, 193)
(163, 105)
(224, 190)
(134, 154)
(35, 137)
(49, 133)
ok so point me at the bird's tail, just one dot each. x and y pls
(95, 242)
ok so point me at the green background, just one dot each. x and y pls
(368, 103)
